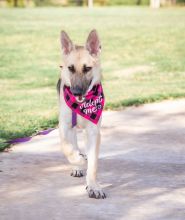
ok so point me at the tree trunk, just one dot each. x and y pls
(90, 3)
(155, 3)
(15, 3)
(79, 2)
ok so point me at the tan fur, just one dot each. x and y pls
(80, 56)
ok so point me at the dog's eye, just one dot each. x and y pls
(86, 69)
(71, 68)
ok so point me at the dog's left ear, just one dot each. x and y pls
(93, 43)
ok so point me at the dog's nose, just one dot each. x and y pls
(77, 91)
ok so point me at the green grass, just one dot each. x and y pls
(131, 37)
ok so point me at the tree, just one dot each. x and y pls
(90, 3)
(155, 3)
(15, 3)
(79, 2)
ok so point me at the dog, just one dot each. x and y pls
(80, 75)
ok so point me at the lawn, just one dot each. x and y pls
(143, 59)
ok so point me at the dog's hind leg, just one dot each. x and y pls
(93, 188)
(70, 149)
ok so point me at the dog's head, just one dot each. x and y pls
(81, 64)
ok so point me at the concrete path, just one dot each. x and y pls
(141, 167)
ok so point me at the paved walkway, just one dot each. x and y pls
(141, 167)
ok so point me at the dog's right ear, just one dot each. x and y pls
(67, 44)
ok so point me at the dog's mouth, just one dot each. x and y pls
(80, 98)
(80, 92)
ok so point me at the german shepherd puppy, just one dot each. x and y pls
(80, 71)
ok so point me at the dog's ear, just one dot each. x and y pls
(67, 44)
(93, 43)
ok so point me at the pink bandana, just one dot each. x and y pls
(91, 108)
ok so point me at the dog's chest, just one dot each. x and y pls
(81, 122)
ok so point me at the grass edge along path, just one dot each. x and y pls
(53, 122)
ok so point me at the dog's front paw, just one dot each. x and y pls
(95, 192)
(77, 172)
(76, 159)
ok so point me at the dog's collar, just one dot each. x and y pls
(91, 108)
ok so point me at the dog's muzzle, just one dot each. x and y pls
(79, 93)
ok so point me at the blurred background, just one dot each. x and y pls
(90, 3)
(143, 55)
